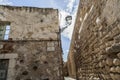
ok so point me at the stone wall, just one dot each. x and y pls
(30, 23)
(34, 41)
(36, 60)
(96, 40)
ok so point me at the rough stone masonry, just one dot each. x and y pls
(95, 47)
(33, 49)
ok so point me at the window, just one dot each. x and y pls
(4, 32)
(7, 31)
(7, 66)
(3, 68)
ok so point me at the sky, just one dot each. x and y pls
(65, 7)
(37, 3)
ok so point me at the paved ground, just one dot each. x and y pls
(68, 78)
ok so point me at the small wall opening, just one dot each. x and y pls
(4, 30)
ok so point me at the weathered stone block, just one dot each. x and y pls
(50, 44)
(118, 55)
(1, 46)
(116, 62)
(50, 48)
(118, 69)
(12, 63)
(10, 56)
(109, 61)
(11, 73)
(100, 64)
(117, 38)
(112, 69)
(114, 49)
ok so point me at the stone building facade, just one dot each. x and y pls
(96, 41)
(32, 49)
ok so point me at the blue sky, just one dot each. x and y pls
(35, 3)
(57, 4)
(65, 46)
(39, 3)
